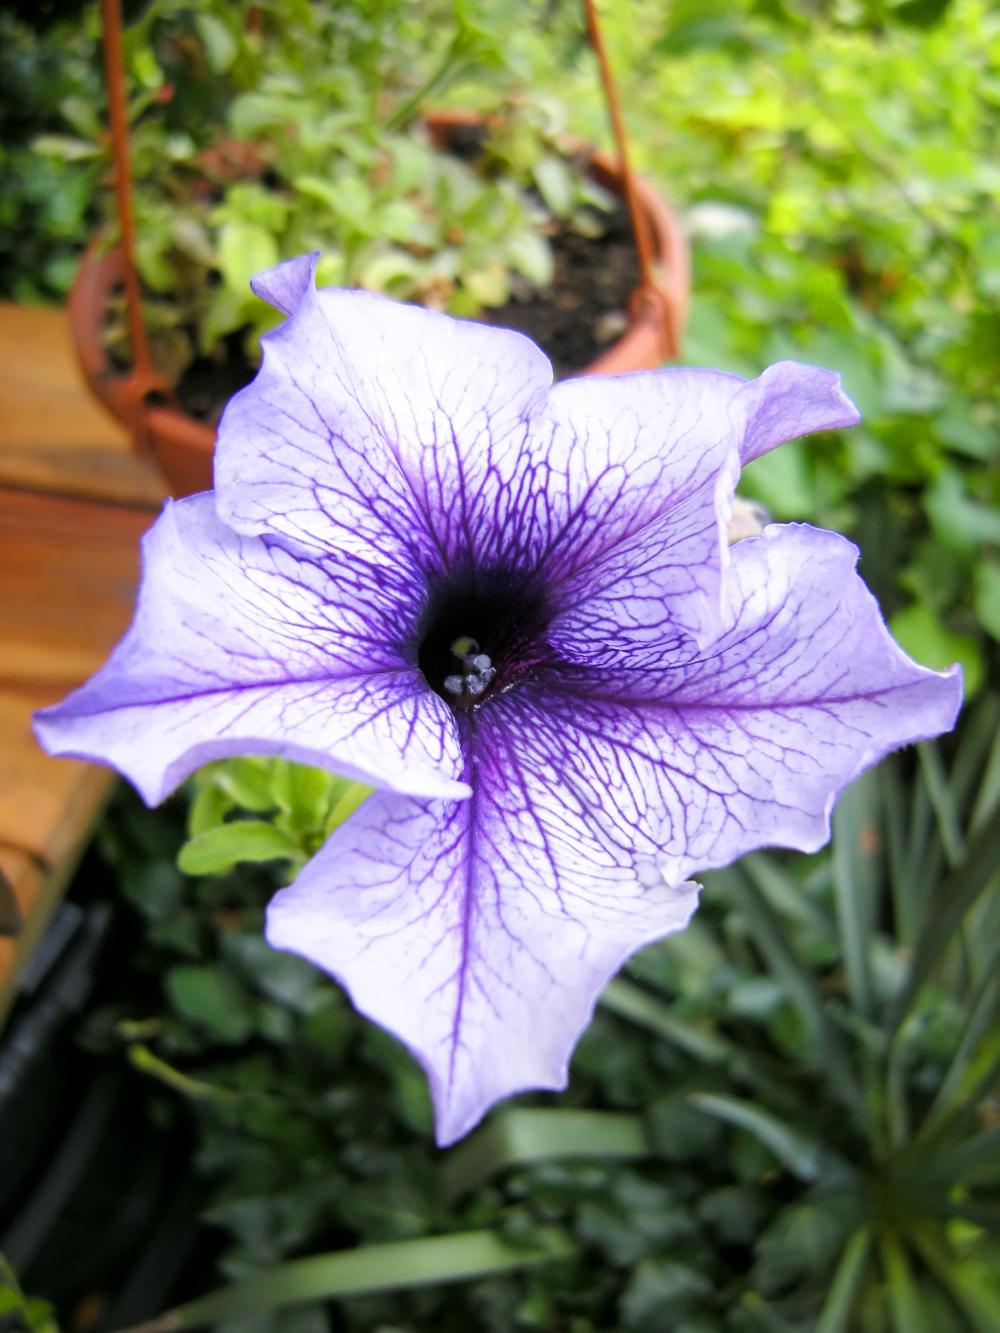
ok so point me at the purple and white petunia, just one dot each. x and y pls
(512, 609)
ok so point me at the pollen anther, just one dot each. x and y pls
(477, 669)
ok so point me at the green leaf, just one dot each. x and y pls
(921, 633)
(82, 115)
(785, 894)
(224, 312)
(219, 43)
(531, 255)
(974, 1066)
(247, 781)
(972, 1285)
(191, 237)
(977, 1161)
(26, 1315)
(404, 1264)
(987, 595)
(519, 1137)
(802, 1243)
(657, 1285)
(283, 977)
(388, 269)
(218, 849)
(147, 1062)
(353, 796)
(490, 286)
(305, 794)
(251, 113)
(65, 149)
(798, 979)
(954, 898)
(806, 1158)
(905, 1306)
(782, 481)
(942, 800)
(632, 1002)
(959, 520)
(209, 808)
(988, 796)
(855, 880)
(842, 1297)
(245, 250)
(213, 999)
(554, 179)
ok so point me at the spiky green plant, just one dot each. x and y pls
(783, 1120)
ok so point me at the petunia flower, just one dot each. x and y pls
(511, 608)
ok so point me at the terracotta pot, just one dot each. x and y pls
(182, 446)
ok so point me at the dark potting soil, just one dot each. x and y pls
(209, 382)
(573, 320)
(586, 307)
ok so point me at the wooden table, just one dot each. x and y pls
(74, 503)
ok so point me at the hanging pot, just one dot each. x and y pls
(182, 445)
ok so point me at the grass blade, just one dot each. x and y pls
(805, 1158)
(855, 880)
(942, 801)
(633, 1003)
(957, 895)
(978, 754)
(905, 1305)
(846, 1286)
(784, 894)
(371, 1268)
(979, 1042)
(894, 804)
(969, 1283)
(520, 1137)
(798, 979)
(988, 796)
(976, 1161)
(637, 1006)
(923, 858)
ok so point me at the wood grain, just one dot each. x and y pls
(55, 438)
(74, 504)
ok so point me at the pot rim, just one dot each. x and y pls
(182, 445)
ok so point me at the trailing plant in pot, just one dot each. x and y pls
(314, 134)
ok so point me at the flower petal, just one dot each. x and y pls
(748, 743)
(376, 427)
(285, 286)
(398, 433)
(791, 399)
(481, 933)
(653, 460)
(238, 647)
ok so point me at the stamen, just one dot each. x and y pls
(477, 668)
(484, 629)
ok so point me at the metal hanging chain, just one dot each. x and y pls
(640, 228)
(653, 294)
(114, 77)
(143, 383)
(144, 378)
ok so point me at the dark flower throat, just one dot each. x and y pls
(483, 631)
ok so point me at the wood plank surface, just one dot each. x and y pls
(54, 437)
(69, 570)
(74, 504)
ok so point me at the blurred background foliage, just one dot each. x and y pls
(796, 1100)
(835, 165)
